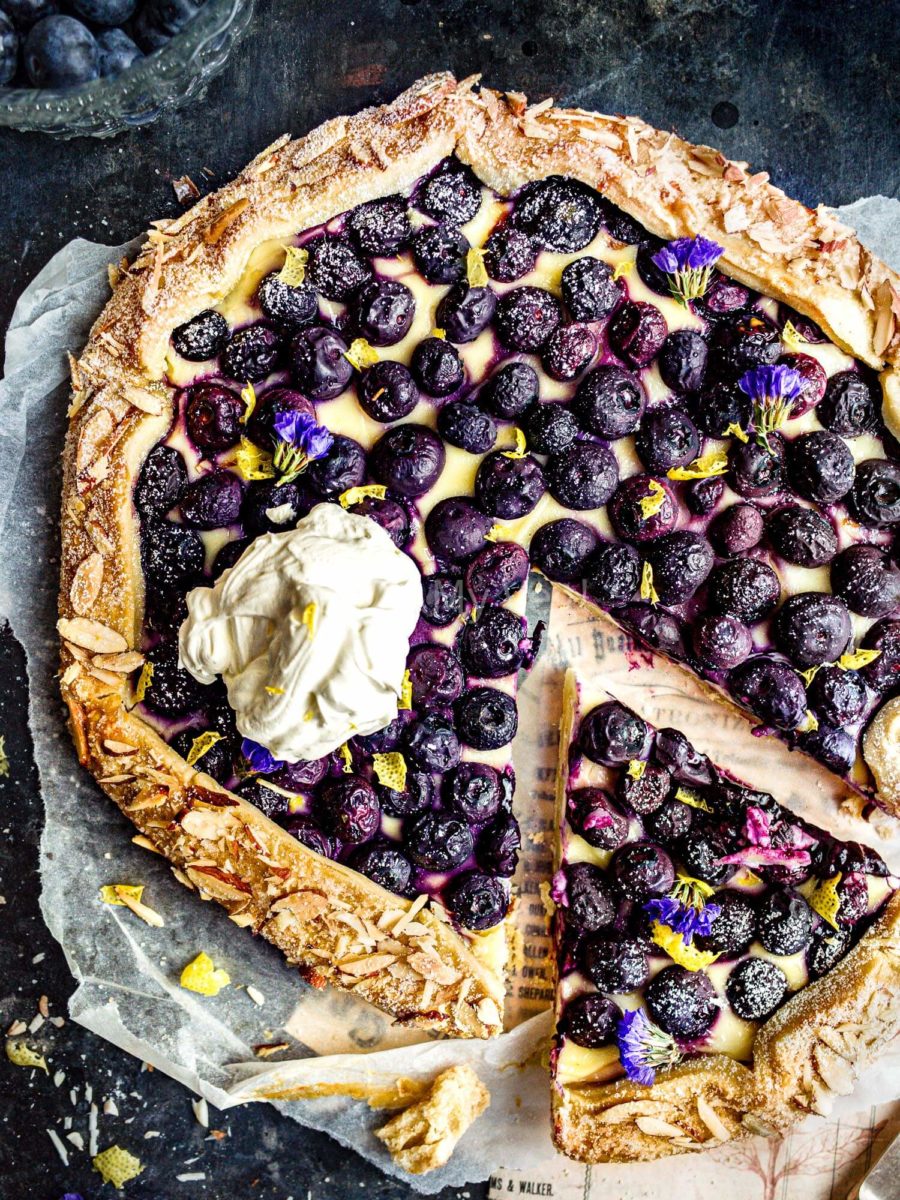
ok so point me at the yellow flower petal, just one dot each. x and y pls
(361, 355)
(347, 755)
(248, 395)
(714, 463)
(390, 770)
(201, 976)
(857, 659)
(112, 893)
(353, 495)
(792, 338)
(117, 1166)
(825, 899)
(253, 463)
(648, 591)
(308, 617)
(688, 796)
(476, 272)
(734, 430)
(144, 680)
(519, 450)
(405, 701)
(652, 503)
(20, 1054)
(293, 272)
(625, 267)
(200, 746)
(636, 768)
(689, 957)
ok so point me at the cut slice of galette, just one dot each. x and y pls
(457, 337)
(723, 968)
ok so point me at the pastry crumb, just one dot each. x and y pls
(424, 1136)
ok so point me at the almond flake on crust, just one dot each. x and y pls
(91, 635)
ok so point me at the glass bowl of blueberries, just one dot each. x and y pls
(76, 67)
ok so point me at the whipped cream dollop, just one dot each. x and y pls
(310, 632)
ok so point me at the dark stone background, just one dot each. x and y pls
(805, 90)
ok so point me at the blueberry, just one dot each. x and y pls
(309, 835)
(549, 427)
(700, 853)
(582, 476)
(820, 466)
(569, 350)
(609, 402)
(436, 675)
(161, 483)
(9, 51)
(883, 673)
(380, 228)
(722, 298)
(558, 213)
(201, 338)
(720, 641)
(214, 415)
(474, 789)
(383, 311)
(509, 254)
(349, 809)
(442, 599)
(681, 562)
(784, 922)
(636, 332)
(383, 740)
(755, 988)
(866, 580)
(526, 317)
(593, 815)
(733, 928)
(463, 425)
(438, 841)
(409, 459)
(456, 530)
(431, 743)
(718, 406)
(440, 253)
(251, 354)
(465, 312)
(853, 890)
(300, 776)
(667, 438)
(416, 796)
(756, 470)
(493, 644)
(682, 361)
(172, 691)
(589, 290)
(742, 342)
(837, 696)
(228, 555)
(212, 500)
(737, 529)
(561, 549)
(672, 750)
(385, 865)
(270, 405)
(509, 488)
(437, 367)
(288, 306)
(510, 391)
(389, 514)
(812, 628)
(626, 509)
(269, 802)
(801, 536)
(269, 506)
(343, 467)
(497, 572)
(813, 381)
(702, 495)
(451, 193)
(590, 1020)
(616, 965)
(875, 497)
(158, 21)
(646, 793)
(589, 898)
(319, 363)
(651, 275)
(60, 52)
(497, 849)
(612, 735)
(828, 947)
(476, 901)
(24, 13)
(172, 555)
(670, 822)
(771, 690)
(850, 405)
(744, 588)
(487, 718)
(387, 392)
(623, 227)
(613, 574)
(335, 269)
(682, 1003)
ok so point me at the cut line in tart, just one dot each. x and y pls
(498, 337)
(723, 968)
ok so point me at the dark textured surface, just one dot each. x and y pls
(802, 89)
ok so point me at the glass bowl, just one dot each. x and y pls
(162, 80)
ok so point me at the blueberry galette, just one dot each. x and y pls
(723, 967)
(334, 413)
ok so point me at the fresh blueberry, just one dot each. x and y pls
(720, 641)
(380, 228)
(451, 193)
(835, 748)
(9, 51)
(494, 643)
(335, 270)
(837, 696)
(682, 1003)
(612, 735)
(589, 898)
(558, 213)
(659, 629)
(456, 530)
(477, 901)
(672, 750)
(874, 499)
(755, 988)
(593, 815)
(701, 852)
(853, 891)
(549, 427)
(496, 573)
(497, 849)
(343, 467)
(589, 290)
(808, 330)
(614, 964)
(745, 588)
(828, 947)
(463, 425)
(60, 52)
(172, 691)
(509, 254)
(437, 367)
(270, 405)
(646, 793)
(801, 536)
(723, 298)
(440, 253)
(443, 599)
(387, 392)
(25, 13)
(733, 928)
(626, 509)
(784, 922)
(510, 391)
(158, 21)
(737, 529)
(431, 743)
(641, 870)
(438, 841)
(561, 549)
(383, 311)
(385, 865)
(172, 555)
(319, 363)
(487, 718)
(622, 227)
(719, 406)
(228, 555)
(569, 350)
(269, 506)
(465, 312)
(389, 514)
(582, 476)
(613, 574)
(383, 740)
(308, 834)
(883, 673)
(756, 470)
(349, 809)
(670, 822)
(637, 332)
(609, 402)
(850, 405)
(742, 342)
(590, 1020)
(820, 466)
(651, 275)
(286, 305)
(682, 361)
(212, 500)
(409, 459)
(866, 580)
(667, 438)
(436, 675)
(812, 628)
(526, 317)
(509, 487)
(214, 415)
(681, 561)
(771, 690)
(201, 338)
(300, 776)
(251, 354)
(269, 802)
(416, 796)
(161, 483)
(813, 382)
(104, 12)
(474, 789)
(702, 495)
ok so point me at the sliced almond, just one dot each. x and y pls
(712, 1120)
(117, 747)
(430, 967)
(305, 905)
(368, 964)
(86, 583)
(146, 401)
(126, 662)
(209, 824)
(618, 1114)
(91, 635)
(654, 1127)
(486, 1011)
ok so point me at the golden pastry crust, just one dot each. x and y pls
(422, 1137)
(121, 406)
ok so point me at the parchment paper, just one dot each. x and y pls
(127, 973)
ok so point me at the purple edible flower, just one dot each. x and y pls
(773, 391)
(300, 440)
(261, 760)
(682, 918)
(688, 262)
(644, 1047)
(792, 849)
